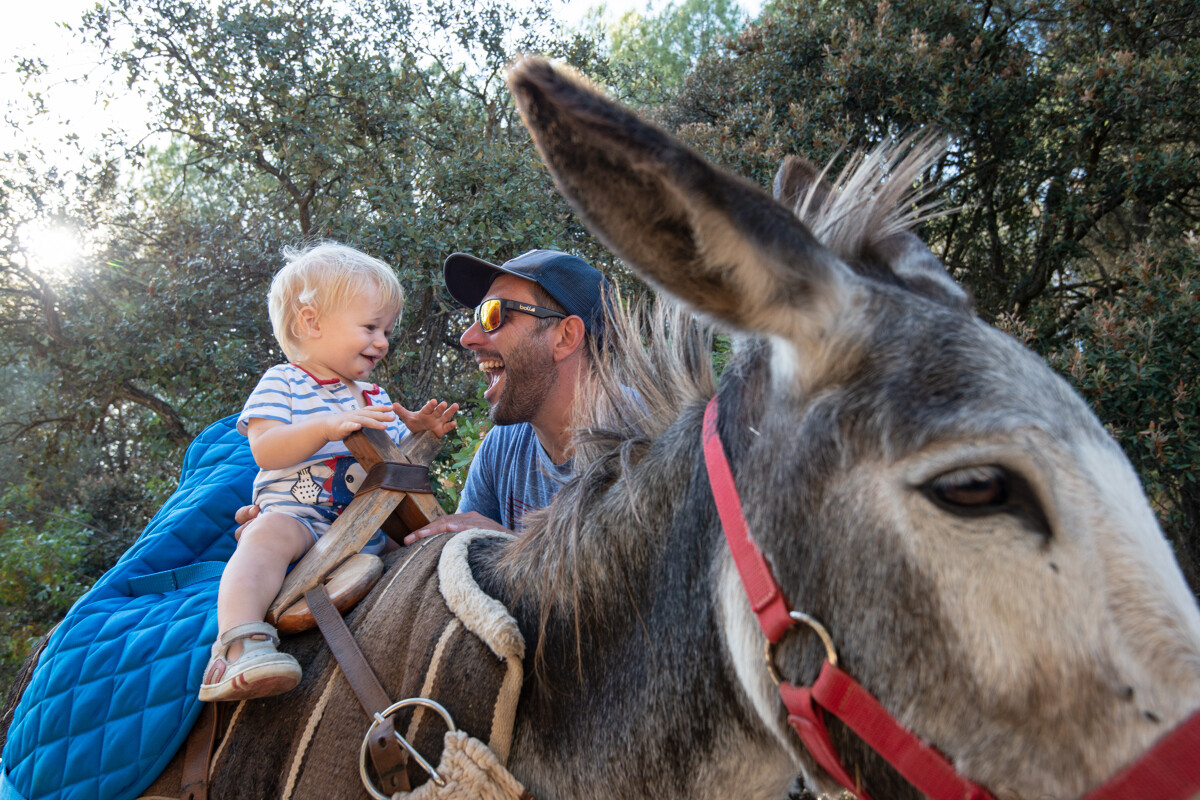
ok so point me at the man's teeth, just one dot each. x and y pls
(489, 366)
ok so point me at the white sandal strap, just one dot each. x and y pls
(247, 630)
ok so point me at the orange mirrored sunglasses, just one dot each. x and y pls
(490, 313)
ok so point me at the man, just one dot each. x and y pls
(534, 317)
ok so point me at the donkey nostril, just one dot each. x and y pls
(1151, 716)
(1126, 692)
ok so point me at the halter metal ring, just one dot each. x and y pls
(379, 718)
(818, 628)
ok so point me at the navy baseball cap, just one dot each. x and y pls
(576, 285)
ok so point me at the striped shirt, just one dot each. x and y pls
(314, 490)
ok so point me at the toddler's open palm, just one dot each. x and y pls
(436, 417)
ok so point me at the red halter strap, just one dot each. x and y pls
(1170, 770)
(834, 690)
(766, 598)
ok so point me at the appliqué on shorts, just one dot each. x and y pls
(306, 489)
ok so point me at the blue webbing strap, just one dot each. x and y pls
(171, 579)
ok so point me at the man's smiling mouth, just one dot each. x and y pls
(493, 368)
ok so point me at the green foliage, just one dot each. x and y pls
(44, 557)
(448, 472)
(1064, 118)
(40, 553)
(651, 52)
(1135, 358)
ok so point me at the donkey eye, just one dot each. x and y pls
(986, 490)
(974, 488)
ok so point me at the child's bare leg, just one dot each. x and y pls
(255, 572)
(245, 663)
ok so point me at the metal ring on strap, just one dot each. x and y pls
(818, 628)
(379, 718)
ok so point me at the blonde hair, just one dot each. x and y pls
(325, 277)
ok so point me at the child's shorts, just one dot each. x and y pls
(318, 518)
(315, 495)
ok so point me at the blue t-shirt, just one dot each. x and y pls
(511, 475)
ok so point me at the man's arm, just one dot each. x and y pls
(242, 517)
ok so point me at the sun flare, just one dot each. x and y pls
(53, 249)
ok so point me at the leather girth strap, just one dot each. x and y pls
(196, 760)
(387, 755)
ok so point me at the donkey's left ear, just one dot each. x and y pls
(703, 235)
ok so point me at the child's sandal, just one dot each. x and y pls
(260, 671)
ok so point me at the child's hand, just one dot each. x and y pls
(435, 417)
(339, 426)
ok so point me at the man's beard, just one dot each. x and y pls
(529, 377)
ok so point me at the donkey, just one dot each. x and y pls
(975, 545)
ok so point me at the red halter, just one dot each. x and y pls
(1170, 770)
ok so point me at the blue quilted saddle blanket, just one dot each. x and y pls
(114, 694)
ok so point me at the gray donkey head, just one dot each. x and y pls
(976, 544)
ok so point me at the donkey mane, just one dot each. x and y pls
(633, 396)
(877, 195)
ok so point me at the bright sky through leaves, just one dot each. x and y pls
(36, 30)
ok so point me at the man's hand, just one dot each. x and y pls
(243, 517)
(453, 523)
(438, 418)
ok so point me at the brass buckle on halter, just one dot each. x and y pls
(818, 628)
(379, 718)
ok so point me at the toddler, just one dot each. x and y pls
(332, 309)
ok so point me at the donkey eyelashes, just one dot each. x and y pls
(974, 487)
(985, 490)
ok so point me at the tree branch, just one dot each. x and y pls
(175, 427)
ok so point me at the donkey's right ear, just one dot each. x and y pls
(707, 237)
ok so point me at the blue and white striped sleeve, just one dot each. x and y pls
(271, 399)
